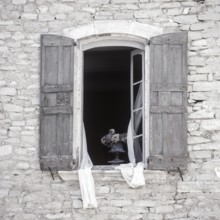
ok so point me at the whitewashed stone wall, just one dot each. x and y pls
(28, 194)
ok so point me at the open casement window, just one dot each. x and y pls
(56, 103)
(168, 101)
(137, 105)
(167, 108)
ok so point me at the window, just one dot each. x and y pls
(166, 125)
(112, 96)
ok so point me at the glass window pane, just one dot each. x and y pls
(138, 147)
(137, 68)
(138, 122)
(137, 96)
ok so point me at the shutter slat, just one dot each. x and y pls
(56, 103)
(167, 109)
(168, 101)
(167, 87)
(56, 88)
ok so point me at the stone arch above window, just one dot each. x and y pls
(97, 28)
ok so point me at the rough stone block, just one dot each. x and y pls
(124, 1)
(164, 209)
(12, 108)
(210, 125)
(216, 136)
(5, 35)
(210, 52)
(46, 17)
(197, 140)
(77, 204)
(197, 61)
(103, 190)
(198, 187)
(208, 146)
(194, 35)
(201, 26)
(147, 14)
(154, 216)
(58, 216)
(124, 16)
(197, 77)
(200, 154)
(121, 203)
(99, 2)
(8, 91)
(32, 122)
(61, 8)
(171, 5)
(5, 150)
(6, 23)
(43, 9)
(54, 205)
(174, 11)
(186, 19)
(18, 123)
(4, 193)
(29, 16)
(209, 33)
(193, 127)
(22, 166)
(14, 134)
(19, 2)
(130, 7)
(145, 203)
(201, 114)
(209, 16)
(203, 86)
(199, 42)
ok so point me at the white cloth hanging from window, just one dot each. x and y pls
(133, 175)
(86, 180)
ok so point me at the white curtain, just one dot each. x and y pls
(86, 180)
(132, 172)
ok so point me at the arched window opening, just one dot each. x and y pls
(108, 95)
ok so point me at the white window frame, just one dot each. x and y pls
(104, 34)
(142, 83)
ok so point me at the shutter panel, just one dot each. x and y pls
(168, 101)
(56, 103)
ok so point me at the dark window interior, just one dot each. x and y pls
(106, 98)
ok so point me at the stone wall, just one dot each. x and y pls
(28, 194)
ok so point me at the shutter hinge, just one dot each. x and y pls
(148, 160)
(148, 42)
(51, 173)
(74, 44)
(181, 176)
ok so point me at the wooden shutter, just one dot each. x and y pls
(56, 103)
(168, 101)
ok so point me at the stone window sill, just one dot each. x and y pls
(114, 175)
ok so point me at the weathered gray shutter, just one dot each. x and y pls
(168, 101)
(56, 103)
